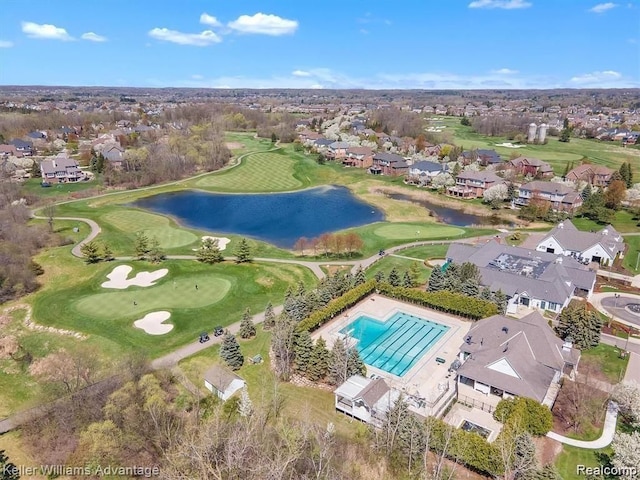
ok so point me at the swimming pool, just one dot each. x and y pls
(396, 344)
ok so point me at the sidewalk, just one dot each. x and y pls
(605, 439)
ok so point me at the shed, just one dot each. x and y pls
(222, 381)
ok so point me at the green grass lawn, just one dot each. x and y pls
(556, 153)
(258, 172)
(608, 360)
(632, 256)
(59, 191)
(417, 232)
(83, 305)
(572, 456)
(312, 404)
(386, 264)
(623, 221)
(425, 252)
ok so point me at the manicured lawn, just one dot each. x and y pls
(425, 252)
(414, 233)
(632, 255)
(83, 305)
(386, 264)
(623, 222)
(59, 191)
(608, 360)
(311, 404)
(572, 456)
(151, 225)
(258, 172)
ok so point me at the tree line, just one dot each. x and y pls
(331, 243)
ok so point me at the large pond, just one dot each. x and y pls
(278, 218)
(452, 216)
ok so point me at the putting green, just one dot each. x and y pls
(258, 172)
(181, 293)
(134, 221)
(416, 232)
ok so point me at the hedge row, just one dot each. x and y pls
(445, 301)
(337, 306)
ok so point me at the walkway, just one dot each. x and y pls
(605, 439)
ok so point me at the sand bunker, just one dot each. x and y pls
(152, 324)
(222, 242)
(509, 145)
(118, 278)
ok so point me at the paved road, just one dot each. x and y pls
(609, 305)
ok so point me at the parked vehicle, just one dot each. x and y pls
(218, 331)
(204, 337)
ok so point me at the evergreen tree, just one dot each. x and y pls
(394, 278)
(90, 252)
(319, 363)
(379, 276)
(501, 300)
(629, 175)
(625, 174)
(269, 317)
(247, 328)
(406, 280)
(274, 138)
(230, 352)
(243, 252)
(414, 273)
(567, 169)
(581, 325)
(35, 170)
(245, 407)
(141, 245)
(359, 278)
(470, 288)
(436, 280)
(303, 349)
(209, 252)
(107, 253)
(355, 365)
(548, 472)
(338, 363)
(155, 253)
(586, 193)
(525, 464)
(485, 294)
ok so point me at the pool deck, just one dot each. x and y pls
(459, 413)
(427, 379)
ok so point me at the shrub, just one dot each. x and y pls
(524, 414)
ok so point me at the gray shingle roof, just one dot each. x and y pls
(220, 377)
(528, 345)
(427, 166)
(388, 157)
(567, 235)
(484, 176)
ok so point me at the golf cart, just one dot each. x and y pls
(218, 331)
(204, 337)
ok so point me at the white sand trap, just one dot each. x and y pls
(222, 242)
(509, 145)
(118, 278)
(152, 324)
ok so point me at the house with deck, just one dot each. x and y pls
(366, 399)
(560, 197)
(337, 150)
(596, 175)
(600, 247)
(471, 184)
(359, 157)
(385, 163)
(531, 166)
(424, 171)
(61, 169)
(222, 382)
(505, 358)
(529, 278)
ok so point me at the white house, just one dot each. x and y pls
(566, 239)
(365, 399)
(223, 382)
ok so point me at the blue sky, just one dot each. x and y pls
(441, 44)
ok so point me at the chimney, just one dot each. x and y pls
(567, 345)
(561, 225)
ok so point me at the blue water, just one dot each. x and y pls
(278, 218)
(396, 344)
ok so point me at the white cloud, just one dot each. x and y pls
(504, 71)
(301, 73)
(93, 37)
(197, 76)
(6, 44)
(265, 24)
(503, 4)
(601, 79)
(201, 39)
(210, 20)
(603, 7)
(45, 31)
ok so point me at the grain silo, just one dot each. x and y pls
(542, 133)
(532, 133)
